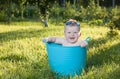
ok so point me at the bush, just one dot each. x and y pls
(113, 25)
(64, 13)
(116, 22)
(96, 22)
(3, 17)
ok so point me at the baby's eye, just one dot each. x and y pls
(75, 32)
(69, 32)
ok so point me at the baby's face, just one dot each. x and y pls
(72, 34)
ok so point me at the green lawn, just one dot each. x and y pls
(23, 55)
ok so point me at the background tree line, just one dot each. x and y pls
(106, 3)
(83, 10)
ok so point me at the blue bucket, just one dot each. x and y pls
(66, 61)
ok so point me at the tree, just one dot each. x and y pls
(113, 3)
(44, 6)
(9, 2)
(22, 2)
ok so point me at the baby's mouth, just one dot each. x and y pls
(72, 38)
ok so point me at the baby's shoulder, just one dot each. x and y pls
(80, 40)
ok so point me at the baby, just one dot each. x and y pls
(71, 33)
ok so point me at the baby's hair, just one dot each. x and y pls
(72, 20)
(71, 23)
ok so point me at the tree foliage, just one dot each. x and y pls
(29, 8)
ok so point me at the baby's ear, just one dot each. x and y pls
(64, 31)
(80, 33)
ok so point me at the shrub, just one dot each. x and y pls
(93, 13)
(96, 22)
(3, 17)
(113, 25)
(63, 13)
(116, 22)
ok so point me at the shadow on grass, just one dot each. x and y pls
(21, 34)
(27, 73)
(115, 74)
(107, 55)
(13, 57)
(31, 70)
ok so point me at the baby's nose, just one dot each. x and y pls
(72, 34)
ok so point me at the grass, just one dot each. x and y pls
(23, 55)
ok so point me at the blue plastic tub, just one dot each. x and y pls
(66, 60)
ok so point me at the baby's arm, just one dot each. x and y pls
(51, 39)
(54, 39)
(83, 43)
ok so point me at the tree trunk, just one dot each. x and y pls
(45, 22)
(113, 3)
(97, 2)
(9, 10)
(22, 8)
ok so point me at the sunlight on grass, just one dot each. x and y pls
(23, 54)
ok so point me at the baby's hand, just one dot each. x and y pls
(44, 40)
(50, 39)
(83, 44)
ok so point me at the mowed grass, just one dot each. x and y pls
(23, 55)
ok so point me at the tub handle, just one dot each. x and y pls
(88, 39)
(44, 40)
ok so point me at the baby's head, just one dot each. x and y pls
(72, 31)
(72, 23)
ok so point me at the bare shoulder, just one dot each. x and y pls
(80, 40)
(83, 43)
